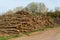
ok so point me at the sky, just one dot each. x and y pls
(6, 5)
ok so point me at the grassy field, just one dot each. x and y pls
(9, 37)
(3, 38)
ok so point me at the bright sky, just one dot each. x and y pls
(11, 4)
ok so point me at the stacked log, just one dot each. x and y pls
(22, 21)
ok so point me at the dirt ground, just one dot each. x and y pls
(50, 34)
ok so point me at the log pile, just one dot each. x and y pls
(22, 21)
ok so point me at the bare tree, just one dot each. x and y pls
(18, 9)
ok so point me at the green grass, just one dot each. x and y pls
(9, 37)
(3, 38)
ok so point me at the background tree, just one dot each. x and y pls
(57, 11)
(36, 7)
(9, 12)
